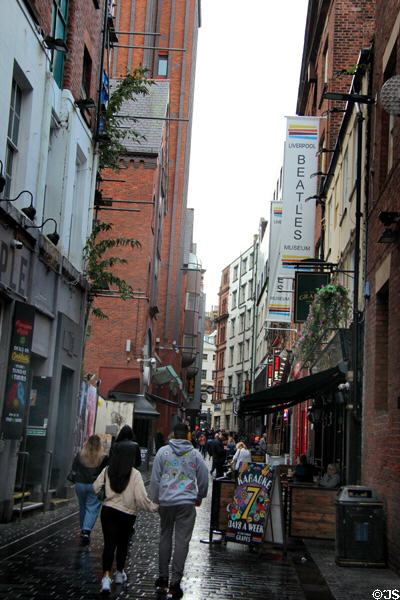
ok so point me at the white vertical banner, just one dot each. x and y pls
(278, 301)
(298, 212)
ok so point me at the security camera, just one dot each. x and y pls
(153, 361)
(17, 244)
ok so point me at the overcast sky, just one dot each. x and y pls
(247, 77)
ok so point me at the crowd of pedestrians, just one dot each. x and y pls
(179, 482)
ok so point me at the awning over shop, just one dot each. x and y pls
(165, 375)
(284, 396)
(142, 407)
(160, 399)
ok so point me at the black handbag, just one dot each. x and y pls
(72, 476)
(101, 494)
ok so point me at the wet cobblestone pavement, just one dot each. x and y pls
(58, 567)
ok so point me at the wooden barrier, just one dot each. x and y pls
(312, 511)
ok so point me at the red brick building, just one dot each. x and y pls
(221, 337)
(155, 324)
(381, 414)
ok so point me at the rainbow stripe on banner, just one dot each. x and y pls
(279, 309)
(303, 132)
(289, 261)
(277, 212)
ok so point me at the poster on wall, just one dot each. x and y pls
(249, 509)
(18, 372)
(91, 399)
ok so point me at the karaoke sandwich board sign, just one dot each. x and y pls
(249, 509)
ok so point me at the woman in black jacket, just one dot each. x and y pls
(88, 463)
(127, 437)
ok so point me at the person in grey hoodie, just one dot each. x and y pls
(179, 482)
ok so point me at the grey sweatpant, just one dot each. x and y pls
(181, 518)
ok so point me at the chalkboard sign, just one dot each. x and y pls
(249, 509)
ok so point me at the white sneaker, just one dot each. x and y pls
(106, 585)
(120, 577)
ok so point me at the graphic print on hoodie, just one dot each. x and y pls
(180, 475)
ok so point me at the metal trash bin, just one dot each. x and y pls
(360, 528)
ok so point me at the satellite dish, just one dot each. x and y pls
(390, 95)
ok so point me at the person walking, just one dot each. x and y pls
(127, 437)
(263, 443)
(125, 494)
(220, 453)
(179, 482)
(86, 466)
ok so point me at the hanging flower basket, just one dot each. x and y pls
(330, 308)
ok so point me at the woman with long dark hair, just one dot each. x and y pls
(88, 463)
(125, 494)
(127, 437)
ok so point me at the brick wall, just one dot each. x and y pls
(84, 30)
(131, 319)
(381, 413)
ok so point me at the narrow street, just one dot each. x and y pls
(57, 567)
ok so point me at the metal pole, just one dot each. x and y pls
(148, 48)
(150, 119)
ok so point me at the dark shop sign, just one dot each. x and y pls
(305, 289)
(18, 373)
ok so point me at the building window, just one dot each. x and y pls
(222, 337)
(205, 356)
(325, 65)
(233, 321)
(14, 120)
(242, 296)
(59, 30)
(249, 317)
(244, 265)
(231, 350)
(345, 170)
(250, 289)
(86, 74)
(230, 385)
(234, 299)
(235, 273)
(204, 374)
(240, 349)
(239, 383)
(192, 301)
(162, 70)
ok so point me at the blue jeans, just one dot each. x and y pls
(89, 505)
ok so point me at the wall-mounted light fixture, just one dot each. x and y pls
(53, 237)
(389, 235)
(87, 103)
(53, 43)
(319, 173)
(28, 211)
(342, 97)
